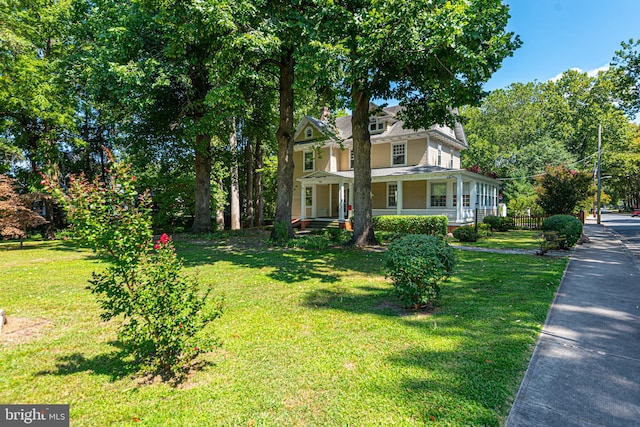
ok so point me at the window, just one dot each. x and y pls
(398, 157)
(439, 163)
(392, 194)
(308, 133)
(309, 161)
(466, 194)
(439, 194)
(451, 159)
(351, 159)
(308, 196)
(376, 126)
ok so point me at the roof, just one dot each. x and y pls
(395, 128)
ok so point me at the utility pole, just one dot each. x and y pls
(599, 180)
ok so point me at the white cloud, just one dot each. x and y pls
(590, 73)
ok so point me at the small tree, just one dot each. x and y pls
(163, 309)
(15, 216)
(561, 190)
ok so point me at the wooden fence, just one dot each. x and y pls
(534, 222)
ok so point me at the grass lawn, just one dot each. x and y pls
(310, 338)
(512, 239)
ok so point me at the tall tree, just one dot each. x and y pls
(36, 114)
(430, 55)
(171, 64)
(626, 63)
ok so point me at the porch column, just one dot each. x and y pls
(399, 198)
(351, 200)
(341, 202)
(459, 190)
(303, 201)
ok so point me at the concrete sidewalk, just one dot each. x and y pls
(585, 370)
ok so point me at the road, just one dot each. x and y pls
(627, 229)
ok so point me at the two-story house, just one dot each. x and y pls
(412, 172)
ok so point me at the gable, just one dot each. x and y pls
(310, 129)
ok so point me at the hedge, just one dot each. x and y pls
(431, 225)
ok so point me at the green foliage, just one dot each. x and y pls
(484, 230)
(412, 224)
(493, 221)
(280, 235)
(163, 309)
(561, 190)
(418, 266)
(548, 241)
(567, 227)
(626, 64)
(498, 223)
(466, 233)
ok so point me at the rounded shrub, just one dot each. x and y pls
(418, 265)
(569, 229)
(493, 221)
(466, 233)
(498, 223)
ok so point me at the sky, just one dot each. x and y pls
(558, 35)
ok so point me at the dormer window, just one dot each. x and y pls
(308, 132)
(376, 126)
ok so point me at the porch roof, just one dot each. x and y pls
(383, 174)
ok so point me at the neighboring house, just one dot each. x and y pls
(412, 172)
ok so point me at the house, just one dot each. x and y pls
(412, 172)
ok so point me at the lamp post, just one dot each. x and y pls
(476, 219)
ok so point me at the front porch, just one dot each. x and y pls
(462, 196)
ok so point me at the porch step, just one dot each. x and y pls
(322, 225)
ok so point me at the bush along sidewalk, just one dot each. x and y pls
(163, 309)
(560, 232)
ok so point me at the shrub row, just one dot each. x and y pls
(412, 224)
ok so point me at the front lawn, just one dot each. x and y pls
(310, 338)
(512, 239)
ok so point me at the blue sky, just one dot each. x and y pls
(558, 35)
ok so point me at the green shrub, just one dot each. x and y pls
(418, 265)
(466, 233)
(280, 235)
(412, 224)
(493, 221)
(337, 236)
(569, 229)
(498, 223)
(311, 242)
(548, 241)
(484, 230)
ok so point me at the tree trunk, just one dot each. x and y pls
(50, 226)
(259, 198)
(285, 145)
(220, 210)
(363, 224)
(202, 218)
(249, 164)
(235, 187)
